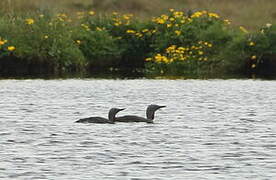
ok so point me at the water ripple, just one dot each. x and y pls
(217, 129)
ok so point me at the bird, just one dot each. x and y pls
(149, 113)
(100, 120)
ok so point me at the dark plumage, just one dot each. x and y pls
(149, 113)
(111, 118)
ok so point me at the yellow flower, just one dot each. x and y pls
(172, 19)
(11, 48)
(181, 49)
(164, 16)
(243, 29)
(200, 52)
(126, 17)
(62, 15)
(213, 15)
(29, 21)
(182, 21)
(99, 29)
(177, 32)
(268, 25)
(78, 41)
(197, 14)
(139, 34)
(145, 30)
(159, 58)
(178, 14)
(253, 57)
(91, 13)
(169, 25)
(182, 58)
(117, 24)
(46, 37)
(114, 13)
(60, 19)
(171, 49)
(86, 27)
(253, 65)
(251, 44)
(160, 21)
(130, 31)
(80, 13)
(226, 21)
(2, 42)
(148, 59)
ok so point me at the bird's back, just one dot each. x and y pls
(131, 118)
(100, 120)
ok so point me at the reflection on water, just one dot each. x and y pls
(218, 129)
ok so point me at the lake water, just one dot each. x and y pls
(210, 129)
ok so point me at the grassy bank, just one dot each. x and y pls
(191, 43)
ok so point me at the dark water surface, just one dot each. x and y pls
(211, 129)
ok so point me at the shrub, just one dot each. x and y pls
(99, 47)
(199, 43)
(189, 44)
(45, 39)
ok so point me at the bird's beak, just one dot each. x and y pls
(161, 107)
(122, 109)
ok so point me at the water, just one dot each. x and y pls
(210, 129)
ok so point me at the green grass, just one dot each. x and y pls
(250, 13)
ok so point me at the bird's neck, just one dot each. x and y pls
(150, 115)
(111, 117)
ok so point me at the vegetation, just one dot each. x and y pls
(178, 43)
(251, 14)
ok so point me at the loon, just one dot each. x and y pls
(111, 118)
(132, 118)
